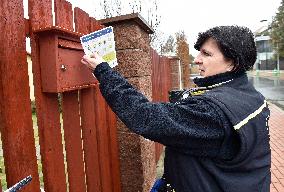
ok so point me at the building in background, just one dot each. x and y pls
(265, 54)
(267, 57)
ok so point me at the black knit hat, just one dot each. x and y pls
(235, 42)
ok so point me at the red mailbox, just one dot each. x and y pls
(60, 61)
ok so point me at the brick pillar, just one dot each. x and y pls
(175, 67)
(137, 155)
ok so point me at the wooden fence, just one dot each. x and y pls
(89, 136)
(161, 84)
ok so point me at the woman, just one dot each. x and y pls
(217, 136)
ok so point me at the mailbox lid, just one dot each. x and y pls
(71, 73)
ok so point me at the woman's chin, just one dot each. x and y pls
(202, 73)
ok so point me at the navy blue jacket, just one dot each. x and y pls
(217, 141)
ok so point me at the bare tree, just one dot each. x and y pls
(169, 46)
(118, 5)
(114, 8)
(111, 8)
(106, 8)
(154, 19)
(136, 6)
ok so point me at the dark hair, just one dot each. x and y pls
(235, 42)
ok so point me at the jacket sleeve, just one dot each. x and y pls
(193, 126)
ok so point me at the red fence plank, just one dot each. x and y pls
(81, 20)
(40, 14)
(15, 111)
(92, 165)
(104, 142)
(161, 84)
(165, 77)
(161, 80)
(95, 25)
(73, 142)
(71, 116)
(115, 167)
(63, 14)
(50, 140)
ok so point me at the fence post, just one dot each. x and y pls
(175, 71)
(137, 155)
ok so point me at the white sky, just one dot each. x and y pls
(199, 15)
(196, 16)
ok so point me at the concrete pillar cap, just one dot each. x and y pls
(136, 17)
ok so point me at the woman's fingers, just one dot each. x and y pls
(86, 58)
(92, 60)
(88, 64)
(94, 55)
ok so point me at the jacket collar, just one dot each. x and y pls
(217, 80)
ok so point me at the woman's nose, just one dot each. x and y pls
(197, 60)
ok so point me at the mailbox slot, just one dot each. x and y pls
(60, 61)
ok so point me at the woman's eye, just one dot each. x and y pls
(206, 53)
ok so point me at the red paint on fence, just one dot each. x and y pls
(95, 25)
(112, 126)
(81, 20)
(73, 142)
(104, 141)
(161, 84)
(90, 141)
(50, 138)
(63, 14)
(27, 27)
(71, 113)
(107, 143)
(15, 111)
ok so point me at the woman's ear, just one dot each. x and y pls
(230, 68)
(230, 65)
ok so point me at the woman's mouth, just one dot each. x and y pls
(201, 72)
